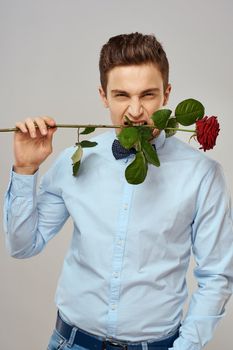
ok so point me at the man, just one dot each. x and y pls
(123, 281)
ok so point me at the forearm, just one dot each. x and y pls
(21, 217)
(206, 309)
(32, 219)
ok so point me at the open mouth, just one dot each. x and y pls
(129, 122)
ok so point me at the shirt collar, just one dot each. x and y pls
(159, 140)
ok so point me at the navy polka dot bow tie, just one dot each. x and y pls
(121, 152)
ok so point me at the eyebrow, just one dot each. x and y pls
(141, 93)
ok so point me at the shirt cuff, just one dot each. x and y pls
(22, 185)
(183, 344)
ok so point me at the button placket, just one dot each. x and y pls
(118, 258)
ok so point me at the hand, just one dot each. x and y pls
(32, 145)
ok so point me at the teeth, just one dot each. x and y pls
(136, 123)
(139, 124)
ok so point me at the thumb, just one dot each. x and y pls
(50, 133)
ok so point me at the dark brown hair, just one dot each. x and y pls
(132, 49)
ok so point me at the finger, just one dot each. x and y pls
(21, 126)
(50, 133)
(42, 126)
(49, 121)
(31, 127)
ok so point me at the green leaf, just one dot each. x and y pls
(136, 172)
(86, 144)
(76, 168)
(77, 155)
(76, 158)
(145, 133)
(172, 123)
(189, 111)
(150, 153)
(87, 130)
(128, 137)
(161, 117)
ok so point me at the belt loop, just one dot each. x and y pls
(144, 346)
(72, 337)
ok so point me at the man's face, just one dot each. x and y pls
(136, 92)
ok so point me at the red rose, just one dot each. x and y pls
(207, 130)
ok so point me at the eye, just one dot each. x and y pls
(148, 94)
(120, 95)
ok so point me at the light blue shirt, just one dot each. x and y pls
(124, 275)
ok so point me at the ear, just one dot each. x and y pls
(167, 94)
(103, 97)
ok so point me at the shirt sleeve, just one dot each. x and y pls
(31, 219)
(212, 246)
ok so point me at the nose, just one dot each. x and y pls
(135, 109)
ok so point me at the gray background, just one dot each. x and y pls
(49, 65)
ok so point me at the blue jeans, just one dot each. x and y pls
(58, 342)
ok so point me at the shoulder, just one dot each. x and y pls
(185, 155)
(178, 148)
(102, 141)
(61, 170)
(103, 147)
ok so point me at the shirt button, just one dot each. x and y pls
(113, 306)
(125, 206)
(116, 274)
(120, 242)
